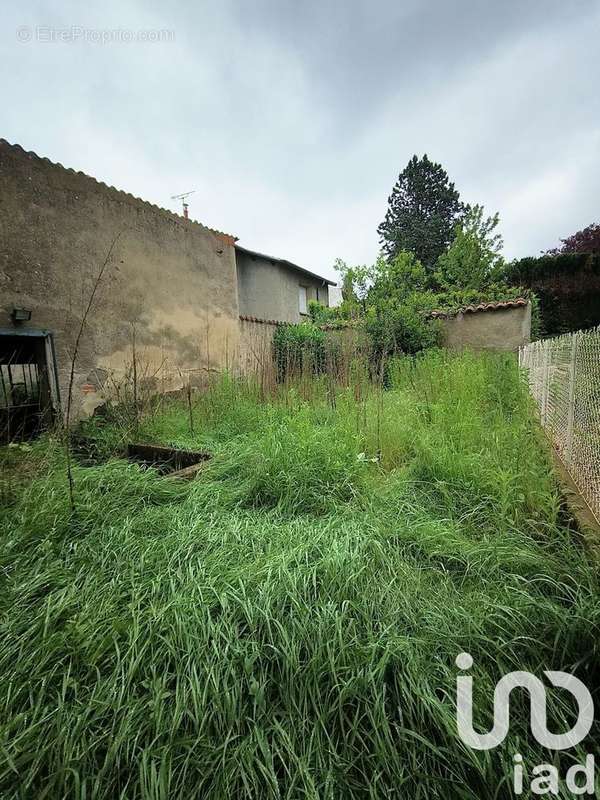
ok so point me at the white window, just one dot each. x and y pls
(302, 304)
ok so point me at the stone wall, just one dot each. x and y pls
(168, 297)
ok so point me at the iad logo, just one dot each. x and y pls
(537, 700)
(547, 775)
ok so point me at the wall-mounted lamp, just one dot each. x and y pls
(20, 315)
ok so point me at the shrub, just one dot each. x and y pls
(400, 328)
(298, 349)
(567, 287)
(323, 315)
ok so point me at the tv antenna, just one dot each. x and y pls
(183, 203)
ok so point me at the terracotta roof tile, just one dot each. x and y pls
(247, 318)
(497, 305)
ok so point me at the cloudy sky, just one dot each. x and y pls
(291, 119)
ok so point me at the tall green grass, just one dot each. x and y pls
(286, 625)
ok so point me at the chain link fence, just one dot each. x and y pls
(564, 379)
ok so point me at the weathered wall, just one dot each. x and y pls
(498, 329)
(269, 290)
(256, 345)
(169, 288)
(342, 346)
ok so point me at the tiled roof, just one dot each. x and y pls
(16, 148)
(247, 318)
(498, 305)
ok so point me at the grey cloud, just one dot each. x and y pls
(292, 119)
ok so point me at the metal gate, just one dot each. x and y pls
(28, 385)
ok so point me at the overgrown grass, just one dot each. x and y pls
(286, 626)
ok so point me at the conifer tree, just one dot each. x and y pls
(423, 210)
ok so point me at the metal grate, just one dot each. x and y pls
(19, 385)
(564, 378)
(24, 395)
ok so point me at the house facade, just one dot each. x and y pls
(92, 276)
(276, 289)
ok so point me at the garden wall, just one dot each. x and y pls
(346, 341)
(256, 344)
(490, 326)
(168, 298)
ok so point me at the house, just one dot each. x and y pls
(276, 289)
(165, 293)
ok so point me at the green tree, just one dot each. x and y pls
(423, 210)
(396, 278)
(395, 302)
(392, 299)
(474, 258)
(355, 286)
(396, 327)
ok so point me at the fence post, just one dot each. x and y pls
(545, 385)
(572, 400)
